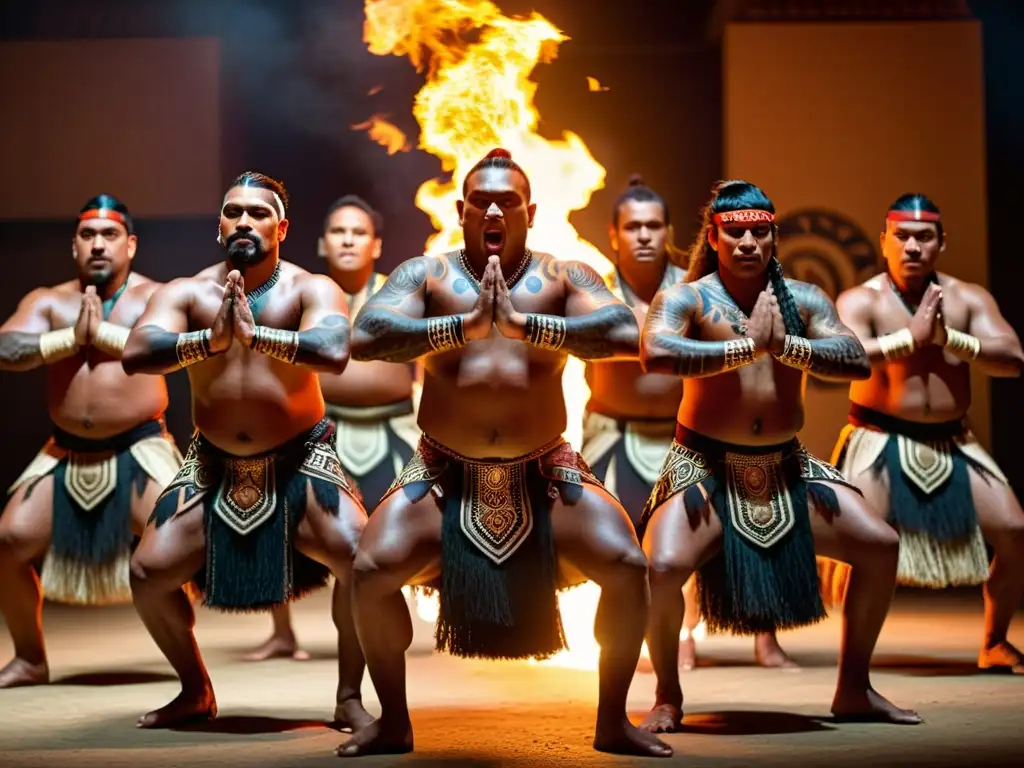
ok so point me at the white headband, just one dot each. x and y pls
(277, 200)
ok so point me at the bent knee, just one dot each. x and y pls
(373, 572)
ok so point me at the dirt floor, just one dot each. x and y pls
(106, 672)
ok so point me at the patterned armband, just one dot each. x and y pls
(273, 342)
(957, 341)
(111, 338)
(894, 345)
(545, 331)
(738, 352)
(445, 333)
(796, 352)
(193, 347)
(57, 344)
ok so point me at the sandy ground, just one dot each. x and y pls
(106, 672)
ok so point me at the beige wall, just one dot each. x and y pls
(139, 119)
(845, 118)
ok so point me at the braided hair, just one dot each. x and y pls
(738, 195)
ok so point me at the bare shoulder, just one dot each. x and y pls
(141, 287)
(971, 293)
(861, 297)
(675, 299)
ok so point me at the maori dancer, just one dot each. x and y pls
(908, 447)
(495, 509)
(739, 499)
(370, 404)
(93, 485)
(260, 513)
(631, 416)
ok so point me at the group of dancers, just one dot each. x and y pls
(690, 499)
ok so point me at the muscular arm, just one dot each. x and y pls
(20, 334)
(324, 328)
(1000, 354)
(152, 345)
(597, 326)
(836, 353)
(664, 347)
(391, 326)
(855, 308)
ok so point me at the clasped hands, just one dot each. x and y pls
(234, 319)
(765, 326)
(493, 307)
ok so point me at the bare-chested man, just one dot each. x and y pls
(495, 508)
(631, 416)
(907, 446)
(370, 403)
(93, 485)
(260, 511)
(739, 499)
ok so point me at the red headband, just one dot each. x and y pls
(747, 216)
(103, 213)
(915, 215)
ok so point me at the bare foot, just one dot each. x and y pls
(663, 718)
(870, 707)
(688, 653)
(378, 738)
(621, 737)
(19, 672)
(277, 648)
(185, 708)
(350, 715)
(769, 653)
(1001, 657)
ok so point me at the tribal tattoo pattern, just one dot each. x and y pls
(836, 353)
(381, 332)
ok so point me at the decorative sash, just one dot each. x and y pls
(496, 513)
(760, 505)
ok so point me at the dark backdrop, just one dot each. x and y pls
(295, 76)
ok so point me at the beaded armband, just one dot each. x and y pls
(273, 342)
(57, 344)
(738, 352)
(957, 341)
(111, 338)
(193, 347)
(545, 331)
(894, 345)
(796, 352)
(445, 333)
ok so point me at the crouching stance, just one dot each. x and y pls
(260, 512)
(495, 508)
(739, 499)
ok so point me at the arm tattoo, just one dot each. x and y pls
(326, 344)
(717, 305)
(835, 353)
(402, 283)
(162, 352)
(384, 335)
(19, 351)
(381, 332)
(592, 336)
(667, 351)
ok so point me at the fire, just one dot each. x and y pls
(594, 85)
(478, 95)
(384, 133)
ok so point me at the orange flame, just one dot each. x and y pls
(593, 84)
(384, 133)
(477, 96)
